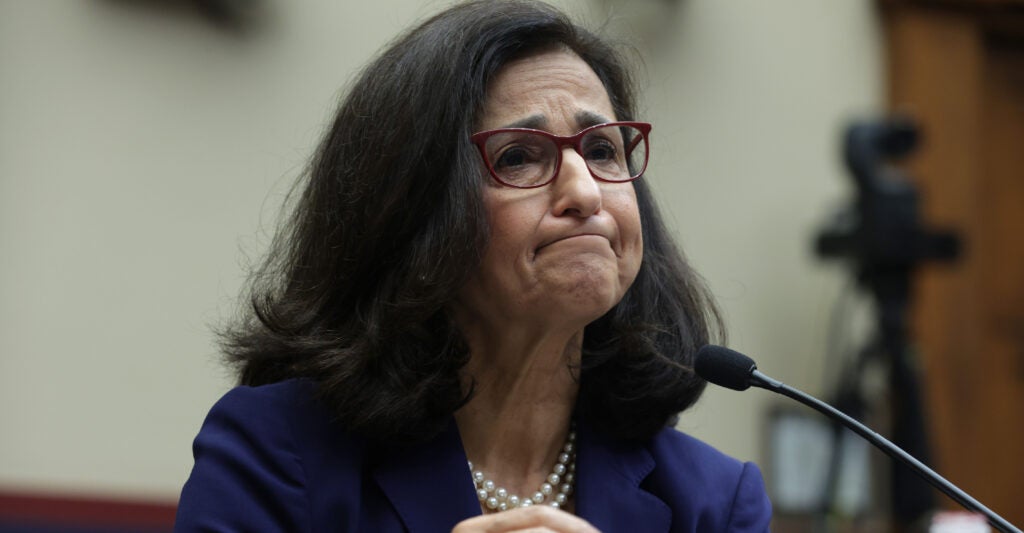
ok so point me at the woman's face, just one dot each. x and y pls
(564, 254)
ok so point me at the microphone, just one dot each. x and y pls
(733, 370)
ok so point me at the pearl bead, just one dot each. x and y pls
(546, 489)
(570, 477)
(556, 505)
(538, 497)
(561, 498)
(470, 466)
(565, 489)
(554, 479)
(503, 506)
(563, 458)
(513, 500)
(526, 502)
(492, 503)
(569, 447)
(489, 485)
(501, 493)
(478, 476)
(559, 469)
(481, 494)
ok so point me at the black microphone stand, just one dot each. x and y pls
(885, 241)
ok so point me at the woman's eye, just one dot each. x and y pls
(601, 151)
(513, 157)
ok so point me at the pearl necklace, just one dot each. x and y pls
(558, 487)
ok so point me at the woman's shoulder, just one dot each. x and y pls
(679, 453)
(674, 446)
(288, 413)
(287, 395)
(719, 489)
(267, 455)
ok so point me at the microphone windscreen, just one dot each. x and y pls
(724, 367)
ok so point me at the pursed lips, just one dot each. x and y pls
(572, 236)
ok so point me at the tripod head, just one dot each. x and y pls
(881, 232)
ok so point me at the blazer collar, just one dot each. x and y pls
(429, 483)
(608, 492)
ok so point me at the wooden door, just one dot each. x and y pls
(958, 68)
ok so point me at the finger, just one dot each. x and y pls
(522, 519)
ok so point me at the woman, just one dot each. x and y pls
(475, 318)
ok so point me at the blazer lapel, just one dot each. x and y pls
(429, 484)
(608, 493)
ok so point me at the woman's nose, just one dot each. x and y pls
(576, 191)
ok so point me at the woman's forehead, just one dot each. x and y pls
(583, 118)
(550, 89)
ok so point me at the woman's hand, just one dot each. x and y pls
(537, 518)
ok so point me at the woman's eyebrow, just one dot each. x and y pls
(535, 122)
(586, 119)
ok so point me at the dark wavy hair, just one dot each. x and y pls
(388, 224)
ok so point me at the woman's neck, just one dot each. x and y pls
(518, 420)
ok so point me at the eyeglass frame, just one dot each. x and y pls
(576, 141)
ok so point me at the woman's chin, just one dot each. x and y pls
(581, 298)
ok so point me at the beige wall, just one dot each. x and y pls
(143, 153)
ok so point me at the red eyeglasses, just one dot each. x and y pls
(526, 158)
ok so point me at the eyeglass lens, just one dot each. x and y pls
(525, 159)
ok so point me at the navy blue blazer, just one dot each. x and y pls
(269, 458)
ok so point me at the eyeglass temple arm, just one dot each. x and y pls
(632, 145)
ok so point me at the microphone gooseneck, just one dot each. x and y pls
(733, 370)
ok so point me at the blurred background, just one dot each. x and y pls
(146, 145)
